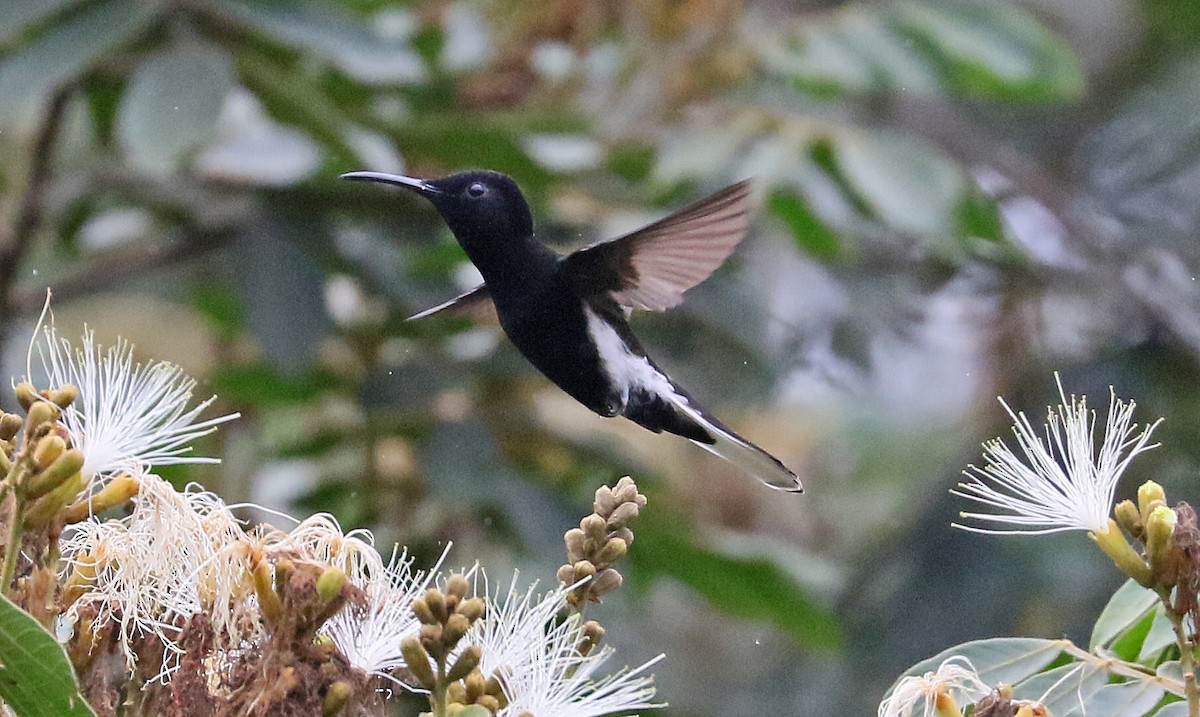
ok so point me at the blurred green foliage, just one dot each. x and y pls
(958, 197)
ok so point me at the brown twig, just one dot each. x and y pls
(16, 240)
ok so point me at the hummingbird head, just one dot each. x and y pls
(481, 207)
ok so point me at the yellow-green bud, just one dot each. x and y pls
(417, 661)
(1128, 517)
(457, 585)
(268, 600)
(45, 508)
(612, 551)
(27, 395)
(117, 491)
(421, 609)
(10, 423)
(437, 604)
(481, 709)
(336, 697)
(330, 584)
(466, 662)
(472, 608)
(65, 465)
(456, 626)
(64, 395)
(1147, 494)
(489, 703)
(1160, 526)
(41, 412)
(1112, 541)
(47, 450)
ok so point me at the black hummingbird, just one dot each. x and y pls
(567, 314)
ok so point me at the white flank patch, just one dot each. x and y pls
(627, 370)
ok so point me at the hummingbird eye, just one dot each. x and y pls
(476, 190)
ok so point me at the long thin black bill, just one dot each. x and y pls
(417, 185)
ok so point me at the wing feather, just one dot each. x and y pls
(652, 267)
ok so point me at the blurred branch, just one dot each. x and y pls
(16, 240)
(120, 267)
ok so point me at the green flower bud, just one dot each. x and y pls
(1128, 517)
(65, 465)
(466, 662)
(47, 450)
(64, 395)
(330, 584)
(27, 395)
(41, 412)
(417, 661)
(1147, 495)
(10, 423)
(336, 697)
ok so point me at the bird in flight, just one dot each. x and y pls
(568, 314)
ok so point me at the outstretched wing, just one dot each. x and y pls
(475, 304)
(652, 267)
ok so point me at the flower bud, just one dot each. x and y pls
(593, 527)
(336, 697)
(456, 626)
(1147, 495)
(330, 584)
(457, 585)
(476, 685)
(65, 465)
(268, 600)
(431, 640)
(624, 513)
(575, 542)
(566, 575)
(421, 609)
(593, 633)
(472, 608)
(41, 412)
(47, 450)
(44, 509)
(27, 395)
(437, 604)
(117, 491)
(583, 569)
(10, 423)
(1128, 517)
(1112, 541)
(612, 551)
(1160, 526)
(63, 396)
(417, 661)
(466, 663)
(624, 534)
(605, 582)
(605, 501)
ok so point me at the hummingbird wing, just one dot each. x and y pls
(652, 267)
(475, 304)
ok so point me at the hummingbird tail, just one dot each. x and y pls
(682, 417)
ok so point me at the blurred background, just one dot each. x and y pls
(955, 199)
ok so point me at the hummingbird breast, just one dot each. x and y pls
(550, 328)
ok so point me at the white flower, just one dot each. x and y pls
(145, 567)
(1061, 483)
(369, 636)
(129, 416)
(537, 661)
(955, 675)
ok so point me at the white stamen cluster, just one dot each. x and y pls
(1060, 483)
(956, 676)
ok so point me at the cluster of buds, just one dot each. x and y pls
(1000, 703)
(453, 679)
(42, 469)
(602, 539)
(1170, 559)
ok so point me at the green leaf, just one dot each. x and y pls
(172, 105)
(36, 678)
(1128, 699)
(810, 234)
(992, 50)
(342, 38)
(1126, 608)
(20, 14)
(1128, 644)
(1062, 688)
(262, 385)
(951, 47)
(746, 587)
(66, 50)
(1000, 660)
(910, 186)
(1159, 637)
